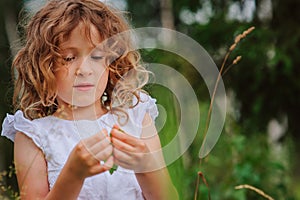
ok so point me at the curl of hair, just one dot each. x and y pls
(35, 89)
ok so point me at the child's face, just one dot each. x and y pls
(82, 81)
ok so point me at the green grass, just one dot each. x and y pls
(239, 157)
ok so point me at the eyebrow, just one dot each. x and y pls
(98, 49)
(68, 48)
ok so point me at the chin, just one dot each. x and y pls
(85, 103)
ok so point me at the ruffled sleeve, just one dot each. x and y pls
(146, 105)
(18, 123)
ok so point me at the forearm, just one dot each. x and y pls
(157, 185)
(67, 186)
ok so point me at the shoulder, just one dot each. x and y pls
(145, 108)
(18, 123)
(147, 104)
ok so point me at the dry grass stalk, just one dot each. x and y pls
(258, 191)
(237, 39)
(201, 175)
(234, 62)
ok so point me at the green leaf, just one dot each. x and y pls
(113, 169)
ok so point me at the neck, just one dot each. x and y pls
(69, 112)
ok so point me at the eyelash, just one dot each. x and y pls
(97, 57)
(69, 59)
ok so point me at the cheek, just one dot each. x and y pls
(63, 81)
(103, 79)
(61, 75)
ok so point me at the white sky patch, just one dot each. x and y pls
(265, 10)
(34, 5)
(202, 16)
(187, 16)
(244, 13)
(119, 4)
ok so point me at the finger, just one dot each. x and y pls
(104, 154)
(121, 155)
(121, 135)
(99, 146)
(92, 140)
(122, 146)
(104, 131)
(106, 135)
(123, 164)
(122, 159)
(98, 168)
(109, 163)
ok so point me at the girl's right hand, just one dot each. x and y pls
(85, 158)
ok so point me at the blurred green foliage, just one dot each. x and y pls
(240, 156)
(265, 84)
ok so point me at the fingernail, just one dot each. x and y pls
(115, 126)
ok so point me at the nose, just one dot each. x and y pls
(84, 69)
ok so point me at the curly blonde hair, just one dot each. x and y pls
(35, 89)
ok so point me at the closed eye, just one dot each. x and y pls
(97, 57)
(69, 59)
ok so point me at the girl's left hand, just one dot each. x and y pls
(130, 152)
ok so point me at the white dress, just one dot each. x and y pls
(57, 137)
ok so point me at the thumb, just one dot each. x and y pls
(109, 163)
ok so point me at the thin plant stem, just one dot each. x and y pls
(236, 60)
(232, 47)
(258, 191)
(201, 175)
(220, 74)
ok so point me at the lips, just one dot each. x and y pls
(83, 86)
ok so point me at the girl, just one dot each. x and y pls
(81, 111)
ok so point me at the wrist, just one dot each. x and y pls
(73, 174)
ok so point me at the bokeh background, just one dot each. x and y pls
(259, 145)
